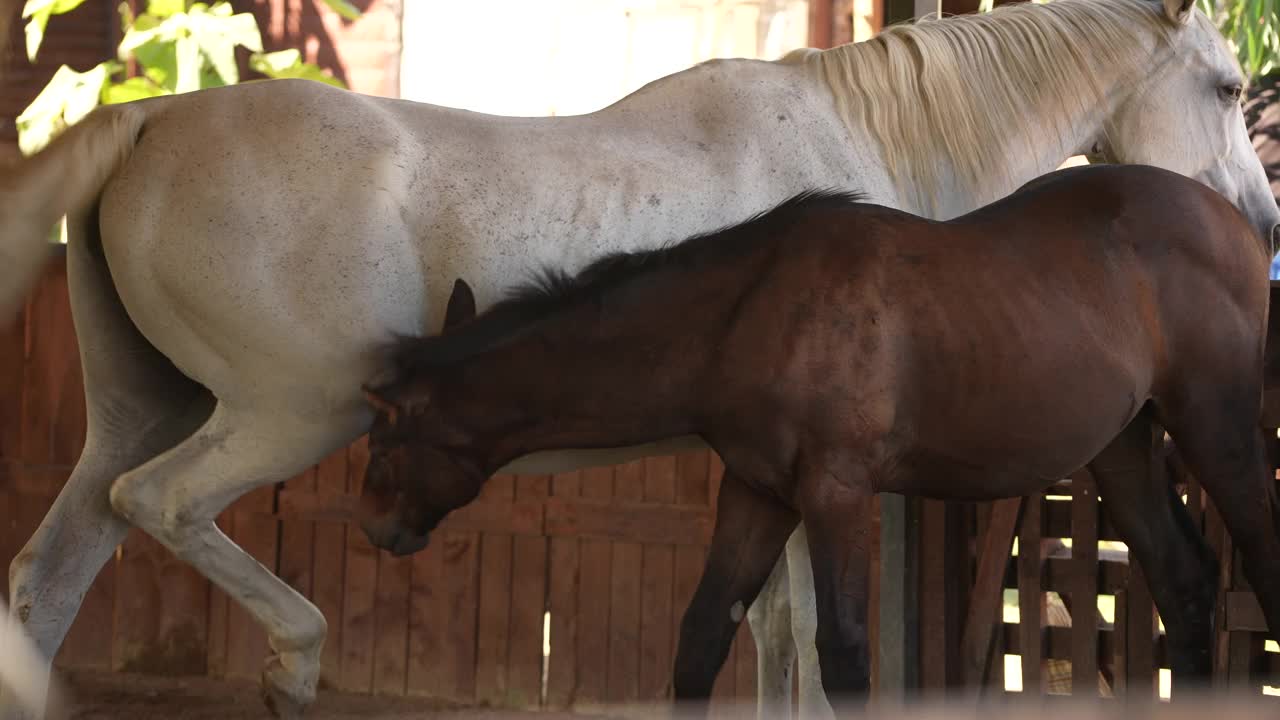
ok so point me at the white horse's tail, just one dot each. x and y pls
(65, 177)
(24, 675)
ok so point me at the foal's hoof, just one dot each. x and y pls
(285, 695)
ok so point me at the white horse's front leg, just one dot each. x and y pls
(804, 626)
(770, 619)
(176, 497)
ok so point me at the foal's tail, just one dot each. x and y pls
(65, 177)
(25, 681)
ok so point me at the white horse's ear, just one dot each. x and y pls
(1178, 11)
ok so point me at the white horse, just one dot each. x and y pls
(239, 257)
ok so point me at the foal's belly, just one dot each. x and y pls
(1015, 441)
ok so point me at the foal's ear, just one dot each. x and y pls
(381, 404)
(1179, 11)
(462, 304)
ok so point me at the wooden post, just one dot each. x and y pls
(897, 602)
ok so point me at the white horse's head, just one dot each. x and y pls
(1186, 117)
(968, 109)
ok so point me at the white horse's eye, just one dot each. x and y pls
(1232, 92)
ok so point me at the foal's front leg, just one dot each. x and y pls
(750, 533)
(836, 512)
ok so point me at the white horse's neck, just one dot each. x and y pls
(965, 111)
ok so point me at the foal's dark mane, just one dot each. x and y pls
(552, 290)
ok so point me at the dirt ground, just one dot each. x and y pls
(103, 696)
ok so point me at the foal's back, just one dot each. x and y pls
(1014, 342)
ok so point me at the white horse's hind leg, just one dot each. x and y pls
(137, 405)
(804, 624)
(770, 619)
(177, 496)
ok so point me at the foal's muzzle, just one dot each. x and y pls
(386, 532)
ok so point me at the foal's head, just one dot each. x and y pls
(421, 466)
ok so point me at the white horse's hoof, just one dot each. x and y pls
(288, 688)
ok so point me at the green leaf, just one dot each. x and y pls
(149, 29)
(40, 11)
(67, 98)
(209, 78)
(159, 61)
(54, 7)
(344, 8)
(288, 64)
(165, 8)
(135, 88)
(274, 62)
(217, 33)
(35, 32)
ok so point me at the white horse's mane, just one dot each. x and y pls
(954, 88)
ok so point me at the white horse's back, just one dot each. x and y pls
(351, 216)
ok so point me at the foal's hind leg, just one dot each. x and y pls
(1179, 565)
(751, 530)
(176, 497)
(836, 513)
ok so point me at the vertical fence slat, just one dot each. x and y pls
(596, 563)
(359, 590)
(563, 600)
(328, 577)
(13, 360)
(656, 615)
(987, 601)
(1030, 596)
(391, 638)
(461, 576)
(528, 604)
(493, 628)
(1084, 585)
(624, 612)
(933, 594)
(428, 623)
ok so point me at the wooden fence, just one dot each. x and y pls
(606, 558)
(1066, 559)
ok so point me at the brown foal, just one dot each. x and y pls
(829, 350)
